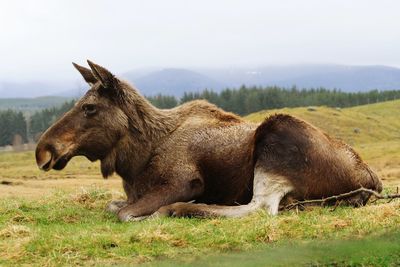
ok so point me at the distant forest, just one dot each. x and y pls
(15, 128)
(247, 100)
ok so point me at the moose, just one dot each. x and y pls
(196, 159)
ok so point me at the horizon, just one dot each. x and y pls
(150, 69)
(176, 81)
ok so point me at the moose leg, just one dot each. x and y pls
(159, 196)
(268, 190)
(115, 205)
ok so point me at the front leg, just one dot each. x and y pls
(131, 194)
(160, 196)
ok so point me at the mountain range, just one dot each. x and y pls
(173, 81)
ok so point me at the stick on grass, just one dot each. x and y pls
(337, 198)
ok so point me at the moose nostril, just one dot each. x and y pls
(44, 159)
(46, 166)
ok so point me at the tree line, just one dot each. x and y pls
(15, 128)
(247, 100)
(12, 127)
(242, 101)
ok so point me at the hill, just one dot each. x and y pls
(32, 104)
(40, 88)
(173, 82)
(348, 78)
(344, 77)
(356, 125)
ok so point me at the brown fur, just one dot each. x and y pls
(195, 151)
(295, 149)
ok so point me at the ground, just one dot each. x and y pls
(58, 218)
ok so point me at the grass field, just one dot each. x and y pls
(57, 218)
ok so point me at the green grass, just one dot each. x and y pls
(382, 250)
(73, 229)
(375, 122)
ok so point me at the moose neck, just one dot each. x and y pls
(148, 125)
(146, 122)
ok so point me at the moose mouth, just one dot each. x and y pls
(48, 161)
(61, 163)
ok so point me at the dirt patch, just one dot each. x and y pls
(34, 189)
(6, 182)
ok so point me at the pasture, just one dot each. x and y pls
(58, 218)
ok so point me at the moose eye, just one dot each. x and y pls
(89, 109)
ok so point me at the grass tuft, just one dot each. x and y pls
(14, 231)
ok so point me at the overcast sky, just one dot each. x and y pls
(39, 39)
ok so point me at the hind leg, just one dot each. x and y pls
(268, 190)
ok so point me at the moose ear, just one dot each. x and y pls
(86, 74)
(105, 77)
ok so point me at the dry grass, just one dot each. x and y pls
(14, 231)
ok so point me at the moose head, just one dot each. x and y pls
(100, 121)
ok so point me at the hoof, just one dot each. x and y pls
(115, 206)
(131, 218)
(178, 209)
